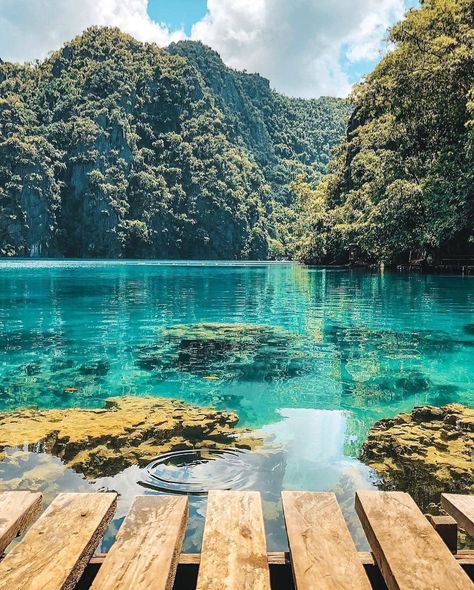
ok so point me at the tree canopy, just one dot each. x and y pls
(402, 182)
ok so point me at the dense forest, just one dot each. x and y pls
(115, 148)
(401, 186)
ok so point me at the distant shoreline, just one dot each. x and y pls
(14, 261)
(149, 261)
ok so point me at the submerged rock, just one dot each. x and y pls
(97, 368)
(127, 431)
(32, 369)
(425, 452)
(225, 351)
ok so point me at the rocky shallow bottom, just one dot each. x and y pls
(425, 452)
(127, 431)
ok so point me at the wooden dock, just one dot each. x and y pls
(409, 551)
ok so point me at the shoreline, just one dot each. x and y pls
(444, 270)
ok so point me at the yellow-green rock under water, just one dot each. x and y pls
(247, 352)
(127, 431)
(424, 452)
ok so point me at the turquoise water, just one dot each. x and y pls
(343, 349)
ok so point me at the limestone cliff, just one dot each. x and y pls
(115, 148)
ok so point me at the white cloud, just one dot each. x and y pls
(298, 44)
(29, 29)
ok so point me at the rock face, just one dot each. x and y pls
(425, 452)
(115, 148)
(127, 431)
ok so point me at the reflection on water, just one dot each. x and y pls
(312, 356)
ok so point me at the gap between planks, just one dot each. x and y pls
(463, 557)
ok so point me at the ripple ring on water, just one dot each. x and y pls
(196, 471)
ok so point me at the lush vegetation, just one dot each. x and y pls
(114, 148)
(402, 184)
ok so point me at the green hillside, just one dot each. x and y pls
(402, 185)
(115, 148)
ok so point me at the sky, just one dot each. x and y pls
(306, 48)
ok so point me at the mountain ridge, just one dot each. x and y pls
(115, 148)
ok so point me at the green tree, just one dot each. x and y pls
(401, 183)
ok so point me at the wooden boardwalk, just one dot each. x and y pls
(56, 551)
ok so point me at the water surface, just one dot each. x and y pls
(342, 348)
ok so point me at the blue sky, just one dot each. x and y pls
(177, 14)
(305, 48)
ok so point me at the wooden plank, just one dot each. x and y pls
(17, 511)
(465, 557)
(57, 548)
(461, 508)
(409, 552)
(323, 554)
(146, 551)
(234, 553)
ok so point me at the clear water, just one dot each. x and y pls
(357, 346)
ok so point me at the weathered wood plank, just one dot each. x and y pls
(323, 554)
(408, 551)
(17, 511)
(57, 548)
(234, 554)
(461, 508)
(146, 551)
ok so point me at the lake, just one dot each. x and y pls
(339, 350)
